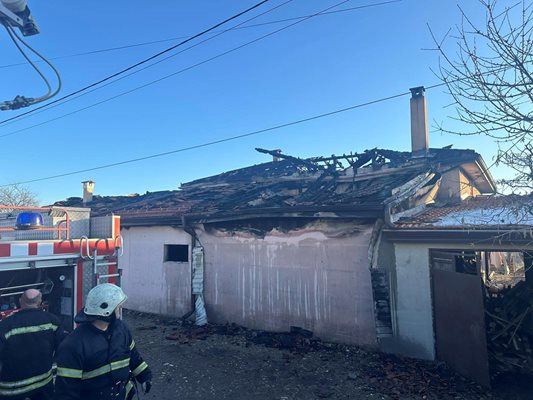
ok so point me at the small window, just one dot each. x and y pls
(176, 252)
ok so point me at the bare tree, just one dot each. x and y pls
(17, 195)
(490, 78)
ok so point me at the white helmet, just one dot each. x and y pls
(103, 299)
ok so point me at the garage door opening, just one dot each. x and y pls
(483, 313)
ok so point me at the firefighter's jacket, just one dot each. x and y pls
(98, 365)
(28, 340)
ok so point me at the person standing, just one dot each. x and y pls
(28, 340)
(99, 359)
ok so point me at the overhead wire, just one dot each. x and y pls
(15, 38)
(52, 67)
(214, 142)
(21, 51)
(229, 139)
(59, 103)
(144, 61)
(173, 39)
(91, 88)
(167, 76)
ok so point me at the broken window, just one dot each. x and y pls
(463, 262)
(176, 253)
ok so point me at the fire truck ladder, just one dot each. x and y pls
(103, 260)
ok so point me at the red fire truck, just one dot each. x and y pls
(63, 252)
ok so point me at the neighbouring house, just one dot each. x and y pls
(322, 243)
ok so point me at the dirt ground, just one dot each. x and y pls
(229, 362)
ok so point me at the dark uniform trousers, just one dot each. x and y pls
(99, 365)
(28, 340)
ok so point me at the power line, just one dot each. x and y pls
(232, 138)
(144, 61)
(60, 102)
(214, 142)
(167, 76)
(22, 101)
(51, 105)
(129, 46)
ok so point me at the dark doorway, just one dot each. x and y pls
(460, 332)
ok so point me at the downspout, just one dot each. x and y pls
(197, 274)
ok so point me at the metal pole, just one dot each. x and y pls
(10, 17)
(22, 286)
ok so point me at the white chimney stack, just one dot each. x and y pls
(88, 189)
(419, 122)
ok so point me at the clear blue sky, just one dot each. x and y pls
(322, 64)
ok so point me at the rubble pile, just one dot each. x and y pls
(510, 329)
(403, 378)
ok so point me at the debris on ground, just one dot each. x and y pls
(509, 314)
(232, 362)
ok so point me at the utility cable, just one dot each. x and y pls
(133, 45)
(86, 90)
(167, 76)
(52, 67)
(10, 32)
(228, 139)
(142, 61)
(213, 142)
(51, 105)
(22, 101)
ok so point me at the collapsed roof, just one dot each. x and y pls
(352, 185)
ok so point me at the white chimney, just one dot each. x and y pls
(419, 122)
(88, 188)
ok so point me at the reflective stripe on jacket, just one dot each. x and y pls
(28, 340)
(97, 365)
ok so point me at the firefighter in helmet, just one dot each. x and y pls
(28, 340)
(99, 359)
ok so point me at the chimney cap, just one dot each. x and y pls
(417, 91)
(89, 181)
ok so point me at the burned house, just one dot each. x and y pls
(288, 242)
(344, 246)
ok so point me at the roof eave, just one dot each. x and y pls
(480, 237)
(489, 179)
(367, 212)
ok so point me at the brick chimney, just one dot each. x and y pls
(88, 188)
(419, 122)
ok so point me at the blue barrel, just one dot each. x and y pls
(29, 220)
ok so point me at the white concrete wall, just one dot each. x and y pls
(153, 285)
(413, 295)
(316, 278)
(414, 305)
